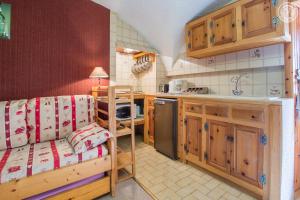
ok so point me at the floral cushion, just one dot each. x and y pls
(51, 118)
(88, 137)
(33, 159)
(13, 131)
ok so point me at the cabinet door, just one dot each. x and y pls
(218, 148)
(257, 18)
(151, 124)
(198, 36)
(247, 154)
(223, 28)
(193, 135)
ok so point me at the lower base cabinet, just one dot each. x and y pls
(225, 147)
(247, 154)
(218, 148)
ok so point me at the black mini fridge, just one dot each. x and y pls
(165, 126)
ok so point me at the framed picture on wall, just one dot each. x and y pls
(5, 17)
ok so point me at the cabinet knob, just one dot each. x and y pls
(246, 162)
(243, 174)
(211, 137)
(243, 23)
(233, 25)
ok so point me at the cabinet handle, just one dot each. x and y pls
(233, 25)
(230, 138)
(243, 23)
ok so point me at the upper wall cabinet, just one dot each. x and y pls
(223, 28)
(252, 26)
(198, 36)
(241, 25)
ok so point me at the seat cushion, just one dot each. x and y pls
(13, 131)
(36, 158)
(88, 137)
(52, 118)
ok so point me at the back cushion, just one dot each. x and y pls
(13, 131)
(51, 118)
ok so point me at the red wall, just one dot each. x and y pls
(54, 46)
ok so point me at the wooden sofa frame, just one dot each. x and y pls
(39, 183)
(33, 185)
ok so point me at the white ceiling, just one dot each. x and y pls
(161, 22)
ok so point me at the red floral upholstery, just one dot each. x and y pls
(36, 158)
(51, 118)
(13, 132)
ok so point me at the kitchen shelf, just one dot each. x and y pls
(137, 121)
(124, 131)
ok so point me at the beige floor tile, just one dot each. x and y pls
(204, 190)
(172, 180)
(246, 197)
(197, 194)
(168, 195)
(155, 189)
(185, 191)
(233, 191)
(212, 184)
(216, 194)
(228, 196)
(184, 181)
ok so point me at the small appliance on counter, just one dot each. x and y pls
(164, 88)
(178, 86)
(196, 90)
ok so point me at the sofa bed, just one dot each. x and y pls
(51, 143)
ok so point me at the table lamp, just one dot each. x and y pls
(98, 73)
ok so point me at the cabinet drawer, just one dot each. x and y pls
(248, 114)
(193, 108)
(218, 111)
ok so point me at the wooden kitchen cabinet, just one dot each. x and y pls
(223, 28)
(149, 120)
(151, 124)
(241, 25)
(252, 26)
(247, 154)
(218, 147)
(198, 36)
(193, 126)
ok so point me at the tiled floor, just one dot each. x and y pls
(128, 190)
(168, 179)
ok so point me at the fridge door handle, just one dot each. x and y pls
(160, 102)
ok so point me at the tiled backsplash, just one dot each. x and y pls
(261, 71)
(125, 36)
